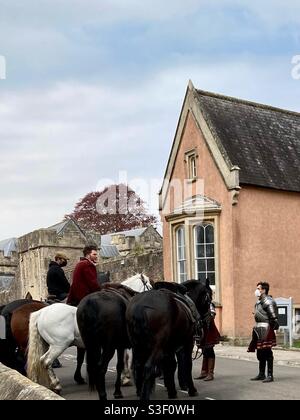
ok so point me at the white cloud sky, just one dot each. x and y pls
(96, 88)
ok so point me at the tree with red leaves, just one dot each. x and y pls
(115, 209)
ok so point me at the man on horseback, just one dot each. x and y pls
(85, 278)
(57, 283)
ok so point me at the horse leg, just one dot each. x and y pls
(120, 367)
(169, 367)
(181, 370)
(106, 356)
(188, 366)
(80, 359)
(126, 374)
(138, 370)
(150, 370)
(47, 360)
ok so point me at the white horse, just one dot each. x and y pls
(53, 329)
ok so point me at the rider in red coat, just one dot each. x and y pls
(85, 279)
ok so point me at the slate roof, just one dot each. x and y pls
(8, 246)
(262, 140)
(106, 239)
(109, 251)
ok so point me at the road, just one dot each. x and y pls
(231, 382)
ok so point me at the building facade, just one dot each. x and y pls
(230, 203)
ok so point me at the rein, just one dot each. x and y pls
(146, 287)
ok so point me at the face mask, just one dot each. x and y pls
(63, 264)
(257, 293)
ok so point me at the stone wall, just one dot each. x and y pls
(151, 264)
(9, 267)
(37, 249)
(14, 386)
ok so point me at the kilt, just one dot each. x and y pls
(267, 342)
(211, 335)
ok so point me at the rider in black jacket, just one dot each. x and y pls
(57, 282)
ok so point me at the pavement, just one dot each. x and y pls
(282, 356)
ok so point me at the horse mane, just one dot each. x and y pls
(118, 286)
(172, 286)
(193, 283)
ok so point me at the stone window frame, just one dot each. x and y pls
(191, 162)
(178, 260)
(189, 222)
(204, 224)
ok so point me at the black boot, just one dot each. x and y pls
(262, 368)
(269, 378)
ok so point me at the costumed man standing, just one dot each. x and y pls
(85, 278)
(211, 337)
(263, 336)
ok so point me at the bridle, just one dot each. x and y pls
(144, 281)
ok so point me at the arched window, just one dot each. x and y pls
(181, 255)
(204, 239)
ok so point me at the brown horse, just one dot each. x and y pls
(9, 347)
(19, 326)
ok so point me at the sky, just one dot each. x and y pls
(91, 91)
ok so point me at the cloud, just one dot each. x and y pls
(94, 88)
(59, 142)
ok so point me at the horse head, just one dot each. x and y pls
(139, 283)
(201, 294)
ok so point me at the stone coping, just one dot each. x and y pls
(14, 386)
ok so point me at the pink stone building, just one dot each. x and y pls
(230, 203)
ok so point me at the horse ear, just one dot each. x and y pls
(207, 284)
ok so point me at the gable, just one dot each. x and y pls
(250, 143)
(263, 141)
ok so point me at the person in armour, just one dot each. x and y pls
(263, 335)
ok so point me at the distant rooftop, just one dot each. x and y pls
(8, 246)
(106, 239)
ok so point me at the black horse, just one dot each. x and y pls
(160, 327)
(102, 325)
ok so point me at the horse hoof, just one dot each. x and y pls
(193, 393)
(118, 396)
(79, 381)
(58, 391)
(126, 382)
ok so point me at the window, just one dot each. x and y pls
(181, 257)
(205, 253)
(193, 167)
(191, 162)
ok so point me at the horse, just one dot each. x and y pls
(10, 355)
(102, 324)
(161, 326)
(51, 331)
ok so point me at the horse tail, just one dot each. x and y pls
(143, 343)
(37, 347)
(88, 320)
(138, 326)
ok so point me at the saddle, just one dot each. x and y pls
(180, 292)
(50, 299)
